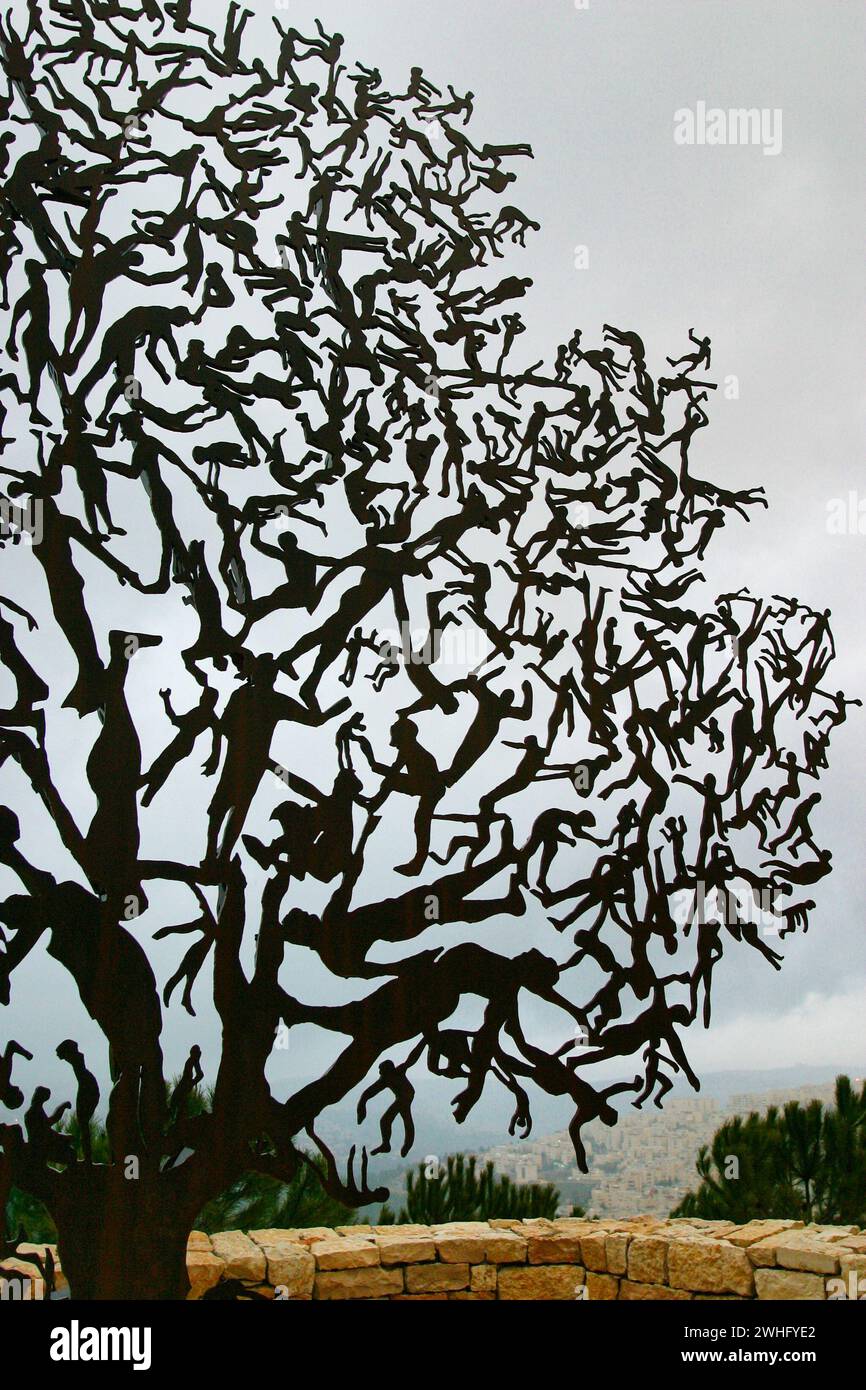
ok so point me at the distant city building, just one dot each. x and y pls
(646, 1163)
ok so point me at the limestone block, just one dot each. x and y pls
(616, 1252)
(851, 1278)
(373, 1282)
(346, 1252)
(204, 1270)
(482, 1278)
(461, 1249)
(708, 1266)
(505, 1248)
(633, 1292)
(437, 1278)
(833, 1232)
(754, 1231)
(397, 1249)
(803, 1250)
(594, 1251)
(27, 1247)
(540, 1282)
(647, 1260)
(787, 1283)
(198, 1240)
(243, 1259)
(310, 1235)
(275, 1235)
(556, 1247)
(291, 1268)
(601, 1287)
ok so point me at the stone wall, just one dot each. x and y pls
(642, 1258)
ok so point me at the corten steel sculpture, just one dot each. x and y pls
(265, 409)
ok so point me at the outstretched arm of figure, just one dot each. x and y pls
(681, 777)
(31, 621)
(165, 696)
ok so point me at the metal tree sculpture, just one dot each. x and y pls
(270, 463)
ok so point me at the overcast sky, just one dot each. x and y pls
(764, 253)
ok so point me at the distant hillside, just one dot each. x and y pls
(487, 1127)
(721, 1085)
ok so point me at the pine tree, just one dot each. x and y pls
(800, 1162)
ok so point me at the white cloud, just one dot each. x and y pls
(822, 1030)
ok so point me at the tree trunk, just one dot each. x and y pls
(121, 1239)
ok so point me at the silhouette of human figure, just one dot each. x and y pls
(87, 1094)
